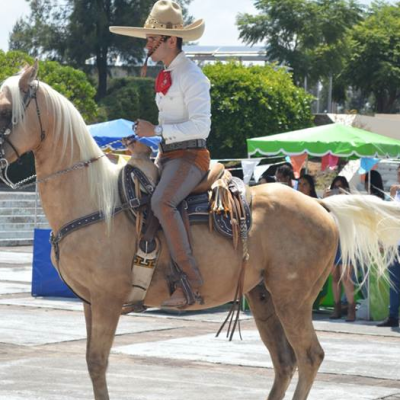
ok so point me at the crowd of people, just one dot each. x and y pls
(346, 304)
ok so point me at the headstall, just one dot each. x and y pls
(5, 134)
(6, 131)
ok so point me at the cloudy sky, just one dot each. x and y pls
(220, 16)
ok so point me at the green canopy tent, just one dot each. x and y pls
(336, 139)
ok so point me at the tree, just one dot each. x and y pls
(307, 35)
(374, 64)
(250, 102)
(75, 31)
(71, 83)
(131, 98)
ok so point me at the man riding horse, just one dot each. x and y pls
(183, 101)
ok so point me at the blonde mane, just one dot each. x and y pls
(70, 128)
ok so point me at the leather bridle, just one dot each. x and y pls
(6, 131)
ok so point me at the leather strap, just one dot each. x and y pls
(144, 181)
(186, 145)
(87, 220)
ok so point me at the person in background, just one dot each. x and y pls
(284, 174)
(266, 179)
(307, 185)
(340, 185)
(394, 273)
(376, 186)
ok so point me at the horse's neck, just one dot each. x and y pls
(64, 197)
(144, 163)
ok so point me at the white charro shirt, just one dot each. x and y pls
(185, 111)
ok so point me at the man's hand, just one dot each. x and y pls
(394, 189)
(144, 128)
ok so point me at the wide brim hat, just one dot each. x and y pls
(165, 19)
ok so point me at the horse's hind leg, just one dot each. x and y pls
(274, 338)
(101, 324)
(295, 314)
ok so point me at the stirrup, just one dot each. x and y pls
(188, 291)
(191, 297)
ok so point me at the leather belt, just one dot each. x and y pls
(187, 144)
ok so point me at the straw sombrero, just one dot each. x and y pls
(165, 19)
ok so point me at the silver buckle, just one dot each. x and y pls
(134, 203)
(3, 163)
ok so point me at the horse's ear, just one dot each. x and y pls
(28, 76)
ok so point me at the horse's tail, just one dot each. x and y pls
(369, 230)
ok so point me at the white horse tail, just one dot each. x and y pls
(369, 230)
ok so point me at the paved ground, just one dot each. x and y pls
(168, 356)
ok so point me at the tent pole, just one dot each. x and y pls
(369, 182)
(368, 299)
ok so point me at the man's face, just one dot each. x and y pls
(157, 48)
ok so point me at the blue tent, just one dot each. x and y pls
(106, 132)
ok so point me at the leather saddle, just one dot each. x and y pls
(196, 205)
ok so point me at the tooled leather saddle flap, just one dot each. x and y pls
(197, 206)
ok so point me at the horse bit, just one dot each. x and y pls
(5, 133)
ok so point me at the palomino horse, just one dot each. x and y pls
(292, 242)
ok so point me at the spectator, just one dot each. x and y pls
(376, 186)
(340, 186)
(394, 272)
(307, 185)
(266, 179)
(284, 174)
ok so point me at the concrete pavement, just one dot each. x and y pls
(169, 356)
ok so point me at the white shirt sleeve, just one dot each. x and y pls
(195, 88)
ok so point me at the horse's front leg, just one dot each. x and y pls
(101, 323)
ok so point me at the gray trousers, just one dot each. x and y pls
(178, 179)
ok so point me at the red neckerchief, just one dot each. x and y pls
(163, 82)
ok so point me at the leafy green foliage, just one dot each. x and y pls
(73, 31)
(131, 98)
(70, 82)
(250, 102)
(374, 64)
(12, 62)
(74, 85)
(307, 35)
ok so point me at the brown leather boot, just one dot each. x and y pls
(180, 299)
(351, 313)
(337, 311)
(177, 299)
(186, 292)
(193, 275)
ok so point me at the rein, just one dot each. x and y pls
(4, 138)
(78, 165)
